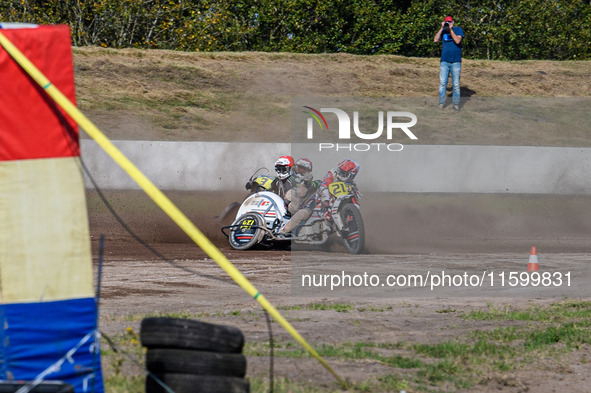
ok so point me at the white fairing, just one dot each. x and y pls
(268, 204)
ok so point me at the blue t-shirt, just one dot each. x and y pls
(451, 52)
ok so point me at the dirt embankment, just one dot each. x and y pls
(165, 95)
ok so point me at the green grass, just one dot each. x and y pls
(124, 384)
(120, 373)
(555, 312)
(338, 307)
(188, 315)
(521, 335)
(181, 314)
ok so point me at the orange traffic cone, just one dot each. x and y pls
(533, 266)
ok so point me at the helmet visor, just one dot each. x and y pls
(344, 175)
(301, 170)
(282, 169)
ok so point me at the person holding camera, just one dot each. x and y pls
(451, 60)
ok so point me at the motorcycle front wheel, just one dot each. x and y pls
(246, 231)
(353, 233)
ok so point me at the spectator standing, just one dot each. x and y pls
(451, 60)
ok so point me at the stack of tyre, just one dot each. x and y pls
(191, 356)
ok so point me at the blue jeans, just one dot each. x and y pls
(444, 70)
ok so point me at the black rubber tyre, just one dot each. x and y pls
(189, 383)
(354, 236)
(247, 231)
(43, 387)
(159, 332)
(188, 361)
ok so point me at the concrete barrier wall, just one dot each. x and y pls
(182, 165)
(417, 168)
(468, 169)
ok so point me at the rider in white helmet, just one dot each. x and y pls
(284, 180)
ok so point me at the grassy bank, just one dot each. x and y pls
(518, 339)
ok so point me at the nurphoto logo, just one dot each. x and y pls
(392, 120)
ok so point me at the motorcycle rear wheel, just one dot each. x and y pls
(354, 233)
(246, 231)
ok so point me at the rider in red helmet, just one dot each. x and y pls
(345, 172)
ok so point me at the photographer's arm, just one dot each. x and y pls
(438, 34)
(457, 38)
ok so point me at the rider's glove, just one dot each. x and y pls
(248, 185)
(325, 205)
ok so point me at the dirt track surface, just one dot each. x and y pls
(183, 279)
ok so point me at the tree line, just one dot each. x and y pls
(494, 29)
